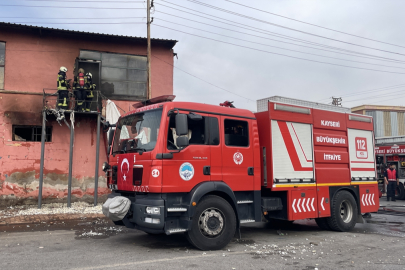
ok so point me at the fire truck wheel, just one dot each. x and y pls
(213, 224)
(343, 212)
(322, 223)
(400, 192)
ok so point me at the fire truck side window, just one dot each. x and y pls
(213, 130)
(197, 132)
(236, 133)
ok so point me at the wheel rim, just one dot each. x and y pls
(346, 211)
(211, 222)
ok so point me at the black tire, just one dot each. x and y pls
(400, 192)
(213, 225)
(322, 223)
(343, 212)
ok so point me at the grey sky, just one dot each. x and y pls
(248, 73)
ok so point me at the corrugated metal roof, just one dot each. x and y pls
(171, 42)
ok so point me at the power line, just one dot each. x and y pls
(369, 91)
(377, 96)
(280, 47)
(294, 57)
(69, 7)
(203, 80)
(337, 31)
(266, 32)
(285, 27)
(300, 45)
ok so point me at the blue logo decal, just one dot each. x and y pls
(186, 171)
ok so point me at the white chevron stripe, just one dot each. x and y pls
(362, 199)
(373, 199)
(298, 205)
(295, 211)
(323, 208)
(312, 204)
(369, 199)
(366, 199)
(309, 209)
(303, 205)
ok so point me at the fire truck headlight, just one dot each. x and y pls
(153, 210)
(105, 166)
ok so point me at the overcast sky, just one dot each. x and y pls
(253, 71)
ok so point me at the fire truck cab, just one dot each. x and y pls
(202, 170)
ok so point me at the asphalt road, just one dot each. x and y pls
(378, 244)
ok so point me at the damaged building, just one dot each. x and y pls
(30, 58)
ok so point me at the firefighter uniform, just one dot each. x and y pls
(80, 90)
(90, 87)
(391, 175)
(63, 93)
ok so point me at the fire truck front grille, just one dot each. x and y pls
(137, 173)
(114, 174)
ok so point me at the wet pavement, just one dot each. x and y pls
(98, 244)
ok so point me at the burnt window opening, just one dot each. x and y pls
(2, 63)
(121, 76)
(31, 133)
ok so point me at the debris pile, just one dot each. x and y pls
(51, 209)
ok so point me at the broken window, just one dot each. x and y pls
(123, 76)
(2, 63)
(31, 133)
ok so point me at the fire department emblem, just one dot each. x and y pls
(124, 161)
(238, 158)
(186, 171)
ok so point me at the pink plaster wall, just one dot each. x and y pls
(32, 63)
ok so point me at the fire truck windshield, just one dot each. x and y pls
(137, 132)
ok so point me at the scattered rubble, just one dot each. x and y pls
(49, 209)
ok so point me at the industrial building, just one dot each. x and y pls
(30, 58)
(389, 133)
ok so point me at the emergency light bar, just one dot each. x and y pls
(359, 118)
(279, 107)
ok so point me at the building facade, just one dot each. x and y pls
(30, 58)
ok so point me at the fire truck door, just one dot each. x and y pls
(213, 125)
(188, 167)
(237, 153)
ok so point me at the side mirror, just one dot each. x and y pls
(182, 141)
(181, 125)
(110, 136)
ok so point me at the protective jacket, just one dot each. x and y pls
(61, 83)
(391, 175)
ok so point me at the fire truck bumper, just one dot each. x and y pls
(147, 213)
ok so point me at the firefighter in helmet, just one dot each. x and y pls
(89, 90)
(63, 85)
(80, 90)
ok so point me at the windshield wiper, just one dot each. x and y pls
(119, 151)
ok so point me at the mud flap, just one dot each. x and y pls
(116, 208)
(360, 219)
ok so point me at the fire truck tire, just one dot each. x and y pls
(343, 212)
(322, 223)
(400, 192)
(213, 225)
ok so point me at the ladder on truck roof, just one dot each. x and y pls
(262, 104)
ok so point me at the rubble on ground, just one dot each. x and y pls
(50, 209)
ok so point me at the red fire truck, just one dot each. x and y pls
(202, 170)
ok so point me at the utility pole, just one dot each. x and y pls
(337, 101)
(149, 56)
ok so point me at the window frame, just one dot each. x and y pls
(115, 95)
(247, 128)
(34, 134)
